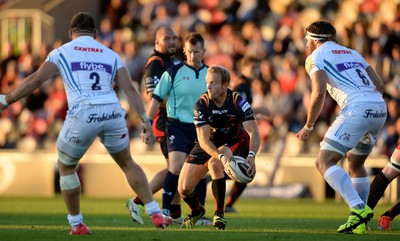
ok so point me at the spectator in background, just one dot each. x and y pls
(106, 32)
(185, 19)
(134, 62)
(115, 10)
(7, 57)
(393, 69)
(11, 77)
(378, 59)
(162, 18)
(391, 133)
(280, 106)
(359, 38)
(286, 75)
(9, 81)
(25, 66)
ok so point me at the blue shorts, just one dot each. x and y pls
(180, 136)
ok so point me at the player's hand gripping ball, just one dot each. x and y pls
(236, 168)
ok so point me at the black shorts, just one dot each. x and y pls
(180, 136)
(163, 146)
(239, 147)
(159, 123)
(159, 126)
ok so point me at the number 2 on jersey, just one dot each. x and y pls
(95, 76)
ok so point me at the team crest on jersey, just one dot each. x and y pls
(156, 79)
(171, 139)
(345, 137)
(75, 140)
(198, 114)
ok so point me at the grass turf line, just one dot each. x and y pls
(262, 219)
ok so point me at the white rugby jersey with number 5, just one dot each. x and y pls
(88, 70)
(348, 80)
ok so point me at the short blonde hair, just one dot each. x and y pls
(225, 75)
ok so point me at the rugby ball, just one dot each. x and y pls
(236, 169)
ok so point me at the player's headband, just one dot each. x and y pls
(318, 36)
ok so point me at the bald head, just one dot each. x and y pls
(166, 40)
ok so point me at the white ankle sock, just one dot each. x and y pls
(152, 208)
(75, 219)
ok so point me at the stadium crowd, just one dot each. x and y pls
(271, 31)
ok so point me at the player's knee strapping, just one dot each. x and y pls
(394, 165)
(328, 145)
(362, 149)
(69, 182)
(67, 159)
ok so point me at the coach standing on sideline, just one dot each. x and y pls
(182, 84)
(357, 89)
(88, 70)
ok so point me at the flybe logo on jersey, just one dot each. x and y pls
(76, 66)
(349, 65)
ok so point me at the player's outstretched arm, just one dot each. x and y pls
(135, 101)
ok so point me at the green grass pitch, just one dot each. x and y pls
(29, 219)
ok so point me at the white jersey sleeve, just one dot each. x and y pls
(88, 70)
(348, 79)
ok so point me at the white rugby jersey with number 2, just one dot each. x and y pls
(88, 70)
(348, 80)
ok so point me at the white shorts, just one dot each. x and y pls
(357, 125)
(84, 122)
